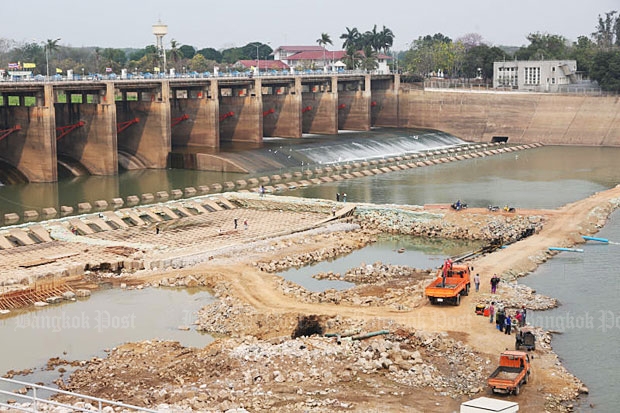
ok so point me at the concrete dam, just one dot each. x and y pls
(97, 128)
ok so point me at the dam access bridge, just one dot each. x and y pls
(97, 127)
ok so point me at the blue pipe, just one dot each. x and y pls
(594, 239)
(565, 249)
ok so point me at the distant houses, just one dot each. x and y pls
(300, 58)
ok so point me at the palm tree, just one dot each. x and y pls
(386, 39)
(351, 57)
(50, 46)
(322, 41)
(371, 38)
(369, 59)
(351, 38)
(174, 54)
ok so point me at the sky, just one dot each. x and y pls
(222, 24)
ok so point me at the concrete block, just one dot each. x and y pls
(100, 204)
(49, 212)
(189, 191)
(287, 175)
(84, 207)
(117, 202)
(203, 189)
(66, 210)
(216, 187)
(41, 233)
(241, 183)
(30, 215)
(252, 181)
(308, 172)
(276, 178)
(298, 174)
(162, 195)
(148, 197)
(11, 218)
(229, 185)
(133, 200)
(176, 194)
(264, 179)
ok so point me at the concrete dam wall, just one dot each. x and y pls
(522, 117)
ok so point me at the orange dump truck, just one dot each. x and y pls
(513, 371)
(452, 281)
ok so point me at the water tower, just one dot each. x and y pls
(160, 30)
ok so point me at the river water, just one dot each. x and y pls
(588, 318)
(546, 177)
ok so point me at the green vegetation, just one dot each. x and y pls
(597, 54)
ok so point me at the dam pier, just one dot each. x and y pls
(98, 126)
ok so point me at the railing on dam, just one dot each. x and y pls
(193, 75)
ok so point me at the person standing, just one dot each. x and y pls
(494, 282)
(261, 191)
(245, 224)
(491, 311)
(507, 324)
(235, 222)
(477, 281)
(337, 196)
(523, 315)
(344, 197)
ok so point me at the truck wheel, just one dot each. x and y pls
(466, 291)
(517, 390)
(526, 378)
(457, 300)
(432, 300)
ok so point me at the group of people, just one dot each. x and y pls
(504, 322)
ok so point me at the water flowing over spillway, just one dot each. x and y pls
(346, 147)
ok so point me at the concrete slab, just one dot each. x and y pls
(21, 236)
(133, 217)
(111, 216)
(153, 216)
(226, 202)
(5, 244)
(100, 223)
(40, 233)
(212, 205)
(169, 213)
(81, 227)
(195, 205)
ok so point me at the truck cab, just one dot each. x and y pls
(513, 371)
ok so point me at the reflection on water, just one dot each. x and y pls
(421, 253)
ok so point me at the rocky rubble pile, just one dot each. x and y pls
(447, 225)
(375, 273)
(320, 254)
(514, 296)
(308, 372)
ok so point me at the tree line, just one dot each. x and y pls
(362, 49)
(597, 54)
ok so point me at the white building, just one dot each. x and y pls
(535, 75)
